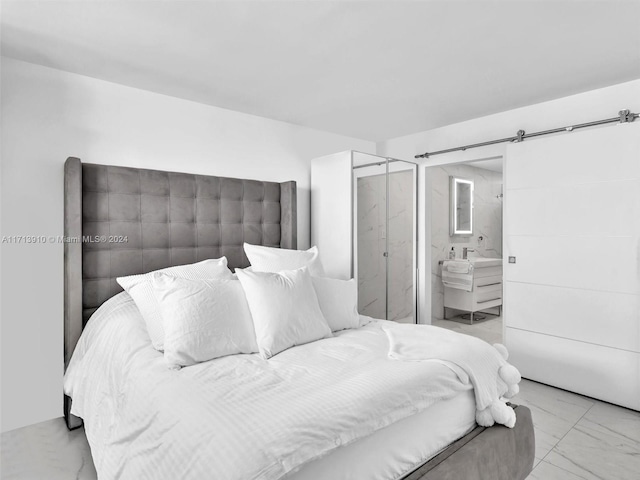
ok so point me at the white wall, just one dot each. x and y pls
(580, 108)
(49, 115)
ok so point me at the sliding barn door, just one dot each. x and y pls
(572, 225)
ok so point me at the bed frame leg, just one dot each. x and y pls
(71, 420)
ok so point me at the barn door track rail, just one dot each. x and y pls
(624, 116)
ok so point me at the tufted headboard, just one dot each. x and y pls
(124, 221)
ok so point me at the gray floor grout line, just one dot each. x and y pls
(556, 444)
(560, 468)
(569, 431)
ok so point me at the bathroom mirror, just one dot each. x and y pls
(460, 206)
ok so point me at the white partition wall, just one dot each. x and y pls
(572, 297)
(331, 210)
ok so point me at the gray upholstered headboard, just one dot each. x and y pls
(123, 221)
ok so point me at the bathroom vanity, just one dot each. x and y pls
(485, 291)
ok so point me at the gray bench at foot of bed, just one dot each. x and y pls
(494, 453)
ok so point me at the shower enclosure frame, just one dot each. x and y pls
(333, 208)
(377, 161)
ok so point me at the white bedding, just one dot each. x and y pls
(394, 451)
(238, 417)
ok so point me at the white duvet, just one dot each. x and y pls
(237, 417)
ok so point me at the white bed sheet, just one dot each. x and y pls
(396, 450)
(243, 417)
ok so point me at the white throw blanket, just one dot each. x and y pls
(486, 366)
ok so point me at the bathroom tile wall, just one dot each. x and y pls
(371, 244)
(487, 222)
(372, 240)
(401, 244)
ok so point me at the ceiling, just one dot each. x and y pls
(372, 70)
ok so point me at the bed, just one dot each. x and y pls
(360, 415)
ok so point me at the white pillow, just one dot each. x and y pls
(269, 259)
(140, 289)
(284, 308)
(338, 301)
(202, 319)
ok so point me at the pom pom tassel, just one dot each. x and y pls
(484, 417)
(510, 374)
(497, 412)
(503, 414)
(512, 391)
(502, 350)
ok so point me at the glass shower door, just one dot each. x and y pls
(371, 240)
(385, 237)
(401, 242)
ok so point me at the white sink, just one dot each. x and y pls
(480, 262)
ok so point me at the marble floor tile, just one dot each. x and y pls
(489, 330)
(554, 401)
(48, 451)
(603, 445)
(546, 471)
(554, 412)
(616, 421)
(446, 324)
(406, 320)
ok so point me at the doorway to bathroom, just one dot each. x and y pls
(466, 215)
